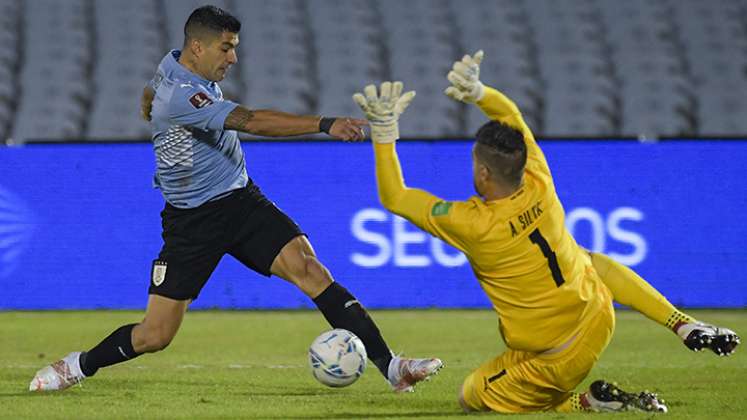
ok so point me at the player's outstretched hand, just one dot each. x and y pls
(348, 129)
(465, 79)
(383, 109)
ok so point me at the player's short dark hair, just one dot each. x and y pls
(209, 21)
(501, 148)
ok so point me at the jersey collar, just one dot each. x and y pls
(178, 71)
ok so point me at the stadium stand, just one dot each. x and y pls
(10, 34)
(55, 70)
(129, 44)
(715, 46)
(512, 54)
(343, 62)
(416, 34)
(276, 55)
(583, 68)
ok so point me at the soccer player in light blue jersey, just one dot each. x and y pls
(213, 208)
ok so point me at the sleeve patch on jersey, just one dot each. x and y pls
(441, 208)
(200, 100)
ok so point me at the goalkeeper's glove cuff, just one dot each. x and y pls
(478, 92)
(384, 132)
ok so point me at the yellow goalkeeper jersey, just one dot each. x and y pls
(540, 282)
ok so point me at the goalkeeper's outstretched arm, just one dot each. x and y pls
(415, 205)
(411, 203)
(383, 111)
(467, 87)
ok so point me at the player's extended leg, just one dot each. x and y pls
(628, 288)
(520, 381)
(602, 396)
(298, 264)
(162, 320)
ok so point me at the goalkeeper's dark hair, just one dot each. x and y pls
(209, 21)
(501, 148)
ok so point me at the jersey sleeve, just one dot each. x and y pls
(450, 221)
(155, 82)
(196, 107)
(498, 107)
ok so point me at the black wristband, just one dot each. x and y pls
(325, 124)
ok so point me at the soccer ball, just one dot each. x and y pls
(337, 358)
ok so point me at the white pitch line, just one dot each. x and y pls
(187, 366)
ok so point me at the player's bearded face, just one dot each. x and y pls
(220, 55)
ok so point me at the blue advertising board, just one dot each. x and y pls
(80, 224)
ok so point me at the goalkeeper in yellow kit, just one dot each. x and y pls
(553, 298)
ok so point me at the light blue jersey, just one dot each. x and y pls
(196, 159)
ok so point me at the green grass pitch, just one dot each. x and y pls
(230, 365)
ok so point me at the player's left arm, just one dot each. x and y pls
(282, 124)
(149, 94)
(146, 102)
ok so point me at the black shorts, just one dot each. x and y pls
(244, 224)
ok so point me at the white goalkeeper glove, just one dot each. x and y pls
(383, 111)
(465, 79)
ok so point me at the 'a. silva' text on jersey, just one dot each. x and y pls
(538, 279)
(196, 158)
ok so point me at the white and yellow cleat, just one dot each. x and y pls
(60, 375)
(405, 373)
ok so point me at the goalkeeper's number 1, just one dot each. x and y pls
(552, 260)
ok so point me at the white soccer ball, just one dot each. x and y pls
(337, 358)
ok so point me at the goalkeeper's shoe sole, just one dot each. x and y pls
(700, 336)
(605, 396)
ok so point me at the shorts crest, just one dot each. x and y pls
(158, 273)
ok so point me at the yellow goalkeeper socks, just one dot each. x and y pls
(576, 403)
(628, 288)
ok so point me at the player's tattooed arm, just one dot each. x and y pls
(239, 119)
(146, 103)
(270, 123)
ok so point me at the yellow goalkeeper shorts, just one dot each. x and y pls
(519, 381)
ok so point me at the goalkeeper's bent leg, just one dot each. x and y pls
(628, 288)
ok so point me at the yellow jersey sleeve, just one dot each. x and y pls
(448, 220)
(540, 282)
(498, 107)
